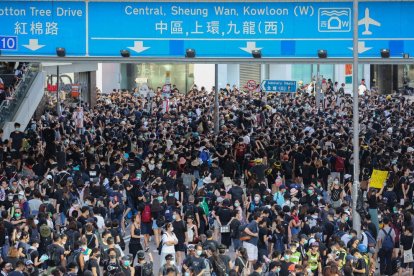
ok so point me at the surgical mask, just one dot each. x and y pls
(187, 274)
(174, 217)
(16, 205)
(286, 257)
(310, 192)
(17, 215)
(160, 198)
(236, 204)
(10, 198)
(199, 252)
(336, 182)
(143, 169)
(277, 270)
(127, 263)
(172, 229)
(256, 198)
(151, 167)
(21, 196)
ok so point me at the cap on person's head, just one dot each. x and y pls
(126, 258)
(222, 246)
(28, 262)
(169, 257)
(49, 177)
(211, 247)
(362, 248)
(303, 237)
(141, 254)
(191, 247)
(315, 244)
(349, 257)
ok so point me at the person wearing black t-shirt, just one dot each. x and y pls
(180, 231)
(93, 263)
(16, 143)
(236, 191)
(263, 241)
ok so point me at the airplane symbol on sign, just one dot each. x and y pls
(367, 21)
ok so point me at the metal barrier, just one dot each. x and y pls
(9, 107)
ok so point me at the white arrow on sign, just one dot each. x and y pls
(139, 47)
(33, 45)
(250, 47)
(361, 47)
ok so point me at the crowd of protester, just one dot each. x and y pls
(138, 183)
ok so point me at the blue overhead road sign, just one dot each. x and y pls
(215, 29)
(279, 86)
(42, 26)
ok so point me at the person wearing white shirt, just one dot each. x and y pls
(362, 89)
(168, 240)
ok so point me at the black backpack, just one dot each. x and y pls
(54, 258)
(190, 210)
(73, 257)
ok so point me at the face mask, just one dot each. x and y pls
(347, 218)
(143, 169)
(160, 198)
(17, 215)
(16, 205)
(10, 198)
(20, 196)
(277, 270)
(236, 204)
(187, 274)
(199, 252)
(172, 229)
(286, 257)
(127, 263)
(310, 192)
(151, 167)
(174, 217)
(336, 182)
(256, 198)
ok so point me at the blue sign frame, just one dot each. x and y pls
(214, 29)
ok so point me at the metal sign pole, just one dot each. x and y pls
(317, 87)
(356, 219)
(57, 91)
